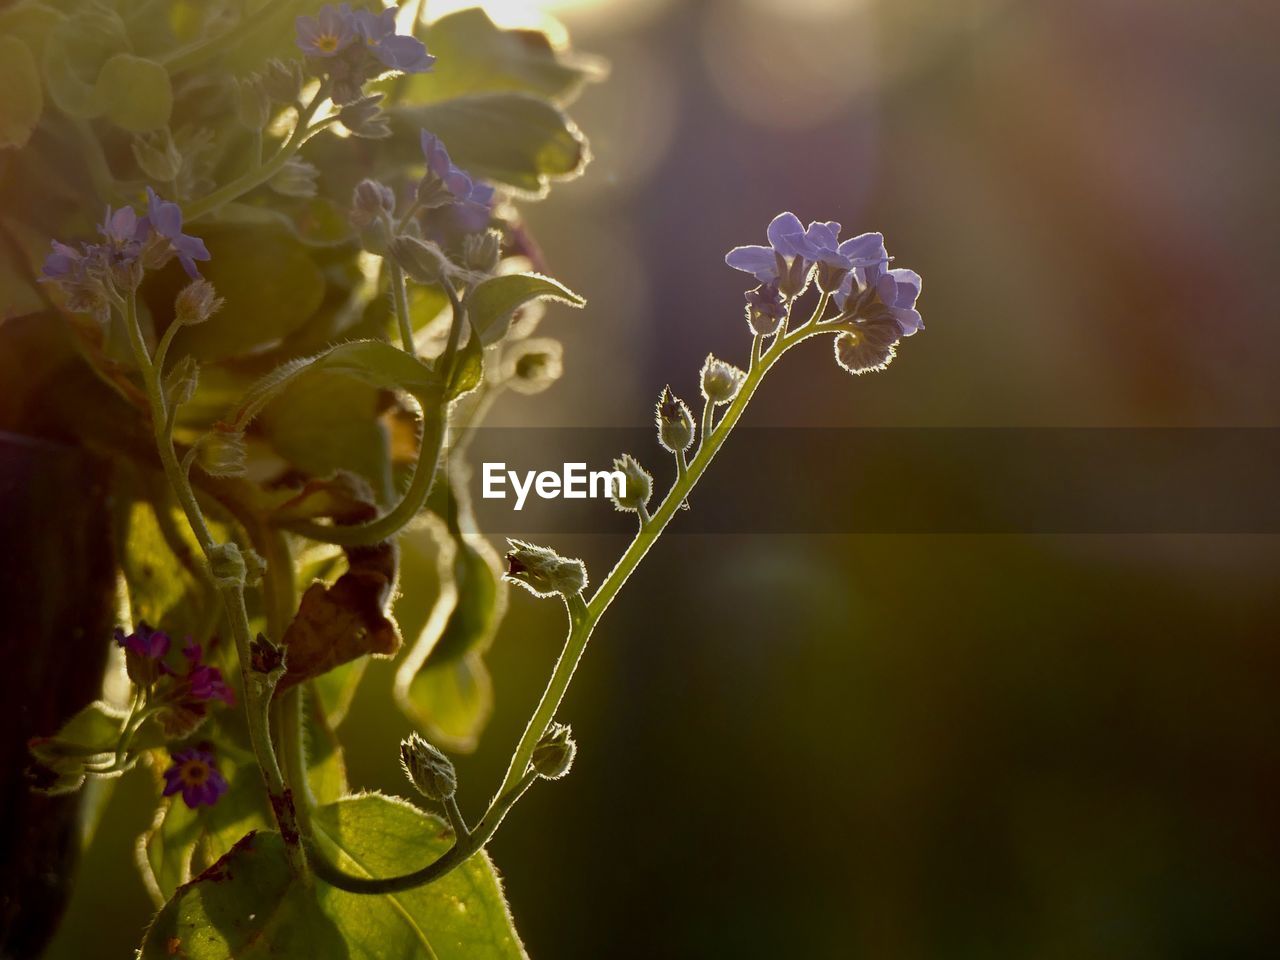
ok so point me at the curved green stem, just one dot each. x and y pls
(463, 848)
(261, 173)
(230, 590)
(200, 52)
(400, 298)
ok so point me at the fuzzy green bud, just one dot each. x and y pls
(639, 485)
(422, 260)
(481, 251)
(297, 178)
(428, 769)
(720, 381)
(223, 452)
(533, 365)
(543, 572)
(675, 422)
(365, 118)
(282, 80)
(157, 155)
(196, 303)
(553, 756)
(226, 563)
(181, 381)
(253, 106)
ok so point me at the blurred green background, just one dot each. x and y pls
(899, 746)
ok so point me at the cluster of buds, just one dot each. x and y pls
(179, 693)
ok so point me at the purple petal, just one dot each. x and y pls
(865, 250)
(759, 261)
(786, 234)
(909, 320)
(908, 285)
(405, 54)
(164, 216)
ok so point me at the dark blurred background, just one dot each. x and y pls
(1051, 746)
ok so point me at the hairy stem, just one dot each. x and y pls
(230, 590)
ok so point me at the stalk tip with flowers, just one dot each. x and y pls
(283, 330)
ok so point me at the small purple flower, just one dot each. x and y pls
(328, 33)
(194, 772)
(205, 683)
(787, 242)
(64, 263)
(144, 641)
(473, 212)
(403, 53)
(898, 290)
(165, 218)
(438, 163)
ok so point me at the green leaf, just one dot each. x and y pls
(21, 97)
(462, 916)
(135, 92)
(443, 685)
(181, 840)
(271, 285)
(326, 421)
(90, 736)
(318, 222)
(513, 138)
(369, 361)
(495, 300)
(326, 768)
(246, 906)
(337, 688)
(468, 369)
(74, 51)
(158, 564)
(475, 56)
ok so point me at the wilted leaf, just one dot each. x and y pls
(343, 497)
(21, 97)
(462, 916)
(475, 56)
(495, 300)
(348, 620)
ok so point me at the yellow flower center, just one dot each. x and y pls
(327, 42)
(195, 772)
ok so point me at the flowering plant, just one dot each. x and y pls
(308, 236)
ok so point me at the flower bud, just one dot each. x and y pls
(543, 572)
(793, 277)
(282, 80)
(433, 192)
(297, 178)
(223, 452)
(553, 756)
(196, 303)
(639, 485)
(765, 309)
(371, 201)
(365, 118)
(227, 564)
(180, 382)
(481, 251)
(870, 346)
(422, 260)
(253, 106)
(157, 155)
(428, 769)
(265, 656)
(720, 381)
(675, 422)
(533, 365)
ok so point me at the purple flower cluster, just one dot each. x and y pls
(90, 273)
(194, 773)
(446, 184)
(354, 46)
(878, 301)
(186, 691)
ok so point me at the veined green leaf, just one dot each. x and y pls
(495, 300)
(462, 916)
(513, 138)
(476, 56)
(135, 93)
